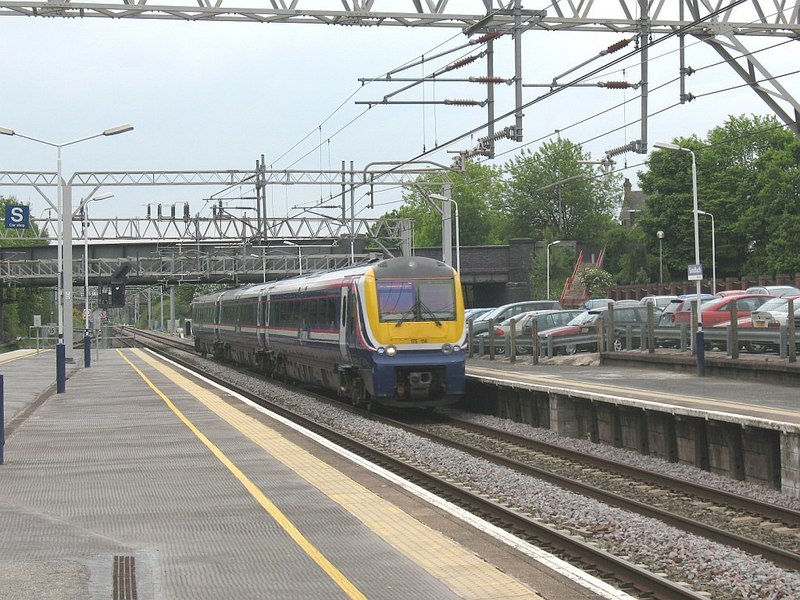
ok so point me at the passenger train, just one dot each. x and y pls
(390, 332)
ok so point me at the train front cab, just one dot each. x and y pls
(414, 315)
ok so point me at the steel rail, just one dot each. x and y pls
(765, 509)
(779, 556)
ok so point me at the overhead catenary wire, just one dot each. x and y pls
(440, 146)
(579, 79)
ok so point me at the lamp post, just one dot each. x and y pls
(660, 236)
(83, 208)
(547, 258)
(61, 353)
(698, 276)
(713, 252)
(299, 253)
(446, 215)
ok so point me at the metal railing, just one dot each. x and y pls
(732, 340)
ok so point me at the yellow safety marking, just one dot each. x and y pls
(629, 392)
(16, 355)
(259, 496)
(466, 574)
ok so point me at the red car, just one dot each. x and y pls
(718, 310)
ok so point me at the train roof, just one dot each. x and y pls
(388, 268)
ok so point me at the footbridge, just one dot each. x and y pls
(160, 256)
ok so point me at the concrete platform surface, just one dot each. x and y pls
(746, 402)
(141, 482)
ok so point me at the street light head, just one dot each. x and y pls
(288, 243)
(660, 234)
(119, 129)
(6, 131)
(702, 212)
(667, 146)
(103, 196)
(439, 197)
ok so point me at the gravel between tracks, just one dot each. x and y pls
(706, 566)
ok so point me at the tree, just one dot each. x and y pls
(476, 190)
(747, 178)
(771, 224)
(627, 256)
(20, 304)
(548, 193)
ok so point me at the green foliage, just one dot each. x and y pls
(562, 262)
(20, 304)
(748, 178)
(594, 280)
(535, 195)
(550, 192)
(476, 191)
(627, 255)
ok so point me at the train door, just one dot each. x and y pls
(344, 318)
(237, 321)
(262, 320)
(217, 318)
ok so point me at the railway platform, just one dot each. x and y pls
(142, 482)
(745, 429)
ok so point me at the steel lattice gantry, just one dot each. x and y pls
(720, 23)
(223, 227)
(754, 17)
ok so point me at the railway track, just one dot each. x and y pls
(752, 526)
(519, 453)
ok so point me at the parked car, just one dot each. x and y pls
(621, 303)
(598, 303)
(667, 316)
(774, 290)
(659, 302)
(475, 313)
(718, 310)
(773, 314)
(523, 326)
(587, 322)
(730, 292)
(501, 313)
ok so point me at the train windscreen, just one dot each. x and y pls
(416, 300)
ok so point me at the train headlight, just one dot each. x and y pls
(447, 349)
(381, 350)
(456, 348)
(391, 350)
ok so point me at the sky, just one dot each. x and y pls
(220, 95)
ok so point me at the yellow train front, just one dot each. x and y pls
(407, 343)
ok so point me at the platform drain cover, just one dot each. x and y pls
(124, 578)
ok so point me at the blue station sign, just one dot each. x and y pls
(17, 216)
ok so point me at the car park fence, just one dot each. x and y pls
(610, 337)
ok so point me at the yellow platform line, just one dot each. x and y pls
(260, 497)
(17, 355)
(465, 573)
